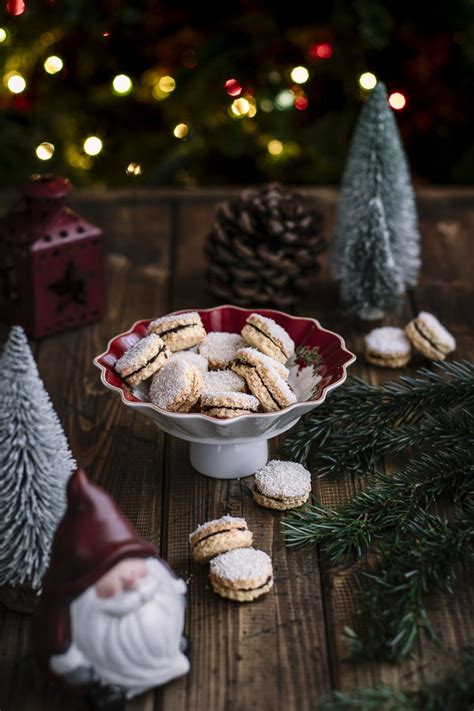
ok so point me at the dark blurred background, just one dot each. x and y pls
(244, 92)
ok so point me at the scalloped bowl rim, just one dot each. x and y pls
(227, 422)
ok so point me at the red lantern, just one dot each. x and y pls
(51, 262)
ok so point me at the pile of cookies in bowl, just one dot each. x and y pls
(219, 374)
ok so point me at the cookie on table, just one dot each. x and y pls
(387, 347)
(244, 356)
(220, 348)
(179, 331)
(142, 360)
(177, 386)
(219, 381)
(243, 574)
(430, 337)
(218, 536)
(227, 404)
(263, 380)
(270, 338)
(282, 485)
(193, 357)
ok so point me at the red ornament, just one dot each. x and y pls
(51, 263)
(321, 50)
(233, 87)
(15, 7)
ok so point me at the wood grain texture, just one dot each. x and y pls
(285, 650)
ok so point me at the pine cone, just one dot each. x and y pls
(263, 248)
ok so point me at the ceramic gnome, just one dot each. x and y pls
(109, 623)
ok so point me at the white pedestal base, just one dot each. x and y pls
(228, 461)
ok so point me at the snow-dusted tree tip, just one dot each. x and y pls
(35, 465)
(376, 229)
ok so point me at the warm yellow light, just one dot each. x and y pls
(122, 84)
(44, 151)
(167, 84)
(3, 34)
(53, 64)
(240, 107)
(397, 101)
(92, 145)
(300, 75)
(181, 130)
(134, 169)
(275, 147)
(15, 82)
(367, 80)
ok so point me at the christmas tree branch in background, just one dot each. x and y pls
(365, 413)
(454, 693)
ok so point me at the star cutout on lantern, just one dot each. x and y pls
(71, 288)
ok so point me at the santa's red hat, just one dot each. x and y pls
(91, 538)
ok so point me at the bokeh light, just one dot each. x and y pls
(134, 169)
(397, 100)
(240, 107)
(3, 35)
(232, 87)
(15, 82)
(321, 50)
(284, 99)
(93, 145)
(367, 81)
(122, 84)
(181, 130)
(301, 103)
(167, 84)
(266, 105)
(45, 151)
(300, 75)
(53, 64)
(275, 147)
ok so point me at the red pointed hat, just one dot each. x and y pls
(92, 537)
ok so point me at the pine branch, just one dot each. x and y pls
(454, 693)
(365, 412)
(388, 502)
(423, 560)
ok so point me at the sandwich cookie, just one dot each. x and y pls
(220, 348)
(228, 404)
(270, 338)
(177, 386)
(282, 485)
(263, 381)
(142, 360)
(430, 337)
(252, 355)
(219, 381)
(179, 331)
(387, 347)
(218, 536)
(191, 356)
(243, 574)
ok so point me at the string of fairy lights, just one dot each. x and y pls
(242, 104)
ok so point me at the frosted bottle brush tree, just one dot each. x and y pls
(35, 464)
(375, 251)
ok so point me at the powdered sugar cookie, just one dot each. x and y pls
(263, 380)
(228, 404)
(269, 337)
(142, 360)
(282, 485)
(243, 574)
(219, 381)
(179, 331)
(220, 348)
(430, 337)
(387, 347)
(193, 357)
(177, 386)
(218, 536)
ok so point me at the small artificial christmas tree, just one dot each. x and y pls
(375, 250)
(35, 465)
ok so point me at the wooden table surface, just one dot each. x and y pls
(283, 651)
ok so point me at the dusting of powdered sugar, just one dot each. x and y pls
(221, 346)
(225, 520)
(171, 382)
(388, 341)
(242, 564)
(140, 353)
(218, 381)
(274, 330)
(264, 360)
(188, 317)
(286, 479)
(438, 330)
(191, 357)
(230, 398)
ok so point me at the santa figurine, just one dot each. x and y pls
(109, 623)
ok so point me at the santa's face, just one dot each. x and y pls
(129, 625)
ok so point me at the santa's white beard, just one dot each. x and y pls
(133, 639)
